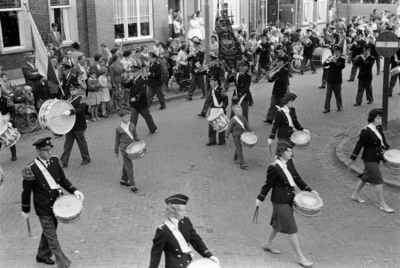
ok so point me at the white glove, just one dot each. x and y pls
(270, 141)
(258, 202)
(215, 259)
(133, 100)
(66, 113)
(306, 130)
(25, 215)
(315, 192)
(79, 195)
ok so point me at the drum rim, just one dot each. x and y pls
(41, 115)
(137, 143)
(308, 193)
(67, 221)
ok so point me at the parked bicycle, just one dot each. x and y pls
(26, 118)
(180, 81)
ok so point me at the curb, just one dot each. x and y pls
(340, 155)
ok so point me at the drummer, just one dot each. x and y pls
(283, 177)
(238, 125)
(176, 237)
(374, 143)
(286, 122)
(44, 177)
(125, 134)
(7, 117)
(218, 105)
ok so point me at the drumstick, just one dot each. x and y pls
(29, 228)
(255, 218)
(348, 171)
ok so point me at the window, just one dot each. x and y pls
(307, 11)
(11, 24)
(321, 10)
(63, 12)
(233, 10)
(133, 19)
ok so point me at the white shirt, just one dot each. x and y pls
(83, 70)
(282, 164)
(46, 163)
(170, 20)
(125, 127)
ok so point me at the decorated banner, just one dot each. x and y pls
(229, 46)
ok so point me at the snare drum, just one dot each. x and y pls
(51, 120)
(391, 159)
(320, 55)
(203, 263)
(68, 209)
(248, 139)
(308, 204)
(301, 139)
(136, 150)
(395, 71)
(218, 121)
(8, 135)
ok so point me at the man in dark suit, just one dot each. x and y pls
(154, 84)
(78, 131)
(7, 111)
(67, 80)
(242, 83)
(44, 177)
(356, 49)
(32, 77)
(54, 37)
(138, 100)
(264, 52)
(365, 63)
(196, 58)
(54, 78)
(308, 51)
(174, 235)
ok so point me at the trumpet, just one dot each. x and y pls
(275, 70)
(202, 68)
(330, 59)
(306, 41)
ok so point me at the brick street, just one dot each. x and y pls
(118, 226)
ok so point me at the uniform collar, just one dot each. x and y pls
(173, 220)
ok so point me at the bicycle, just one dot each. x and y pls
(26, 118)
(179, 83)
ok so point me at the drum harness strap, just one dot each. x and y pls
(373, 128)
(286, 110)
(125, 127)
(173, 227)
(50, 180)
(239, 122)
(286, 171)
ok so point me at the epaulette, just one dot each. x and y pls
(27, 173)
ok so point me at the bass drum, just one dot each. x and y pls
(320, 55)
(51, 120)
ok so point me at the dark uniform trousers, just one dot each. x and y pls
(197, 79)
(127, 169)
(207, 104)
(324, 75)
(393, 80)
(353, 71)
(145, 112)
(378, 63)
(151, 91)
(272, 111)
(304, 62)
(262, 66)
(49, 242)
(239, 150)
(13, 150)
(70, 137)
(367, 86)
(337, 89)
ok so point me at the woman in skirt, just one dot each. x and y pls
(374, 143)
(283, 177)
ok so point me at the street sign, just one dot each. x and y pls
(387, 44)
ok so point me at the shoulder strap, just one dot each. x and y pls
(239, 122)
(50, 180)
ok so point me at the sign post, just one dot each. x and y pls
(386, 45)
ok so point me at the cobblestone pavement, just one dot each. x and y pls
(118, 226)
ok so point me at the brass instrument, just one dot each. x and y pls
(330, 59)
(306, 41)
(275, 70)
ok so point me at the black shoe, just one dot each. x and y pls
(202, 114)
(188, 98)
(124, 183)
(340, 109)
(243, 166)
(350, 80)
(85, 163)
(162, 107)
(46, 261)
(357, 104)
(153, 131)
(14, 158)
(269, 122)
(371, 101)
(390, 95)
(326, 111)
(221, 143)
(134, 189)
(236, 161)
(211, 143)
(314, 72)
(301, 73)
(321, 87)
(251, 103)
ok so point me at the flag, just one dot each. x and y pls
(41, 56)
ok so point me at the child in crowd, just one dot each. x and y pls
(18, 96)
(145, 59)
(104, 92)
(29, 99)
(105, 52)
(5, 85)
(238, 125)
(125, 135)
(93, 98)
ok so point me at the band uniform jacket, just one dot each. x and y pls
(43, 196)
(78, 101)
(373, 150)
(220, 98)
(335, 70)
(66, 83)
(138, 89)
(122, 140)
(7, 107)
(264, 52)
(281, 125)
(155, 75)
(215, 71)
(308, 50)
(281, 79)
(395, 59)
(282, 192)
(357, 48)
(365, 66)
(374, 53)
(165, 241)
(242, 83)
(197, 57)
(31, 79)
